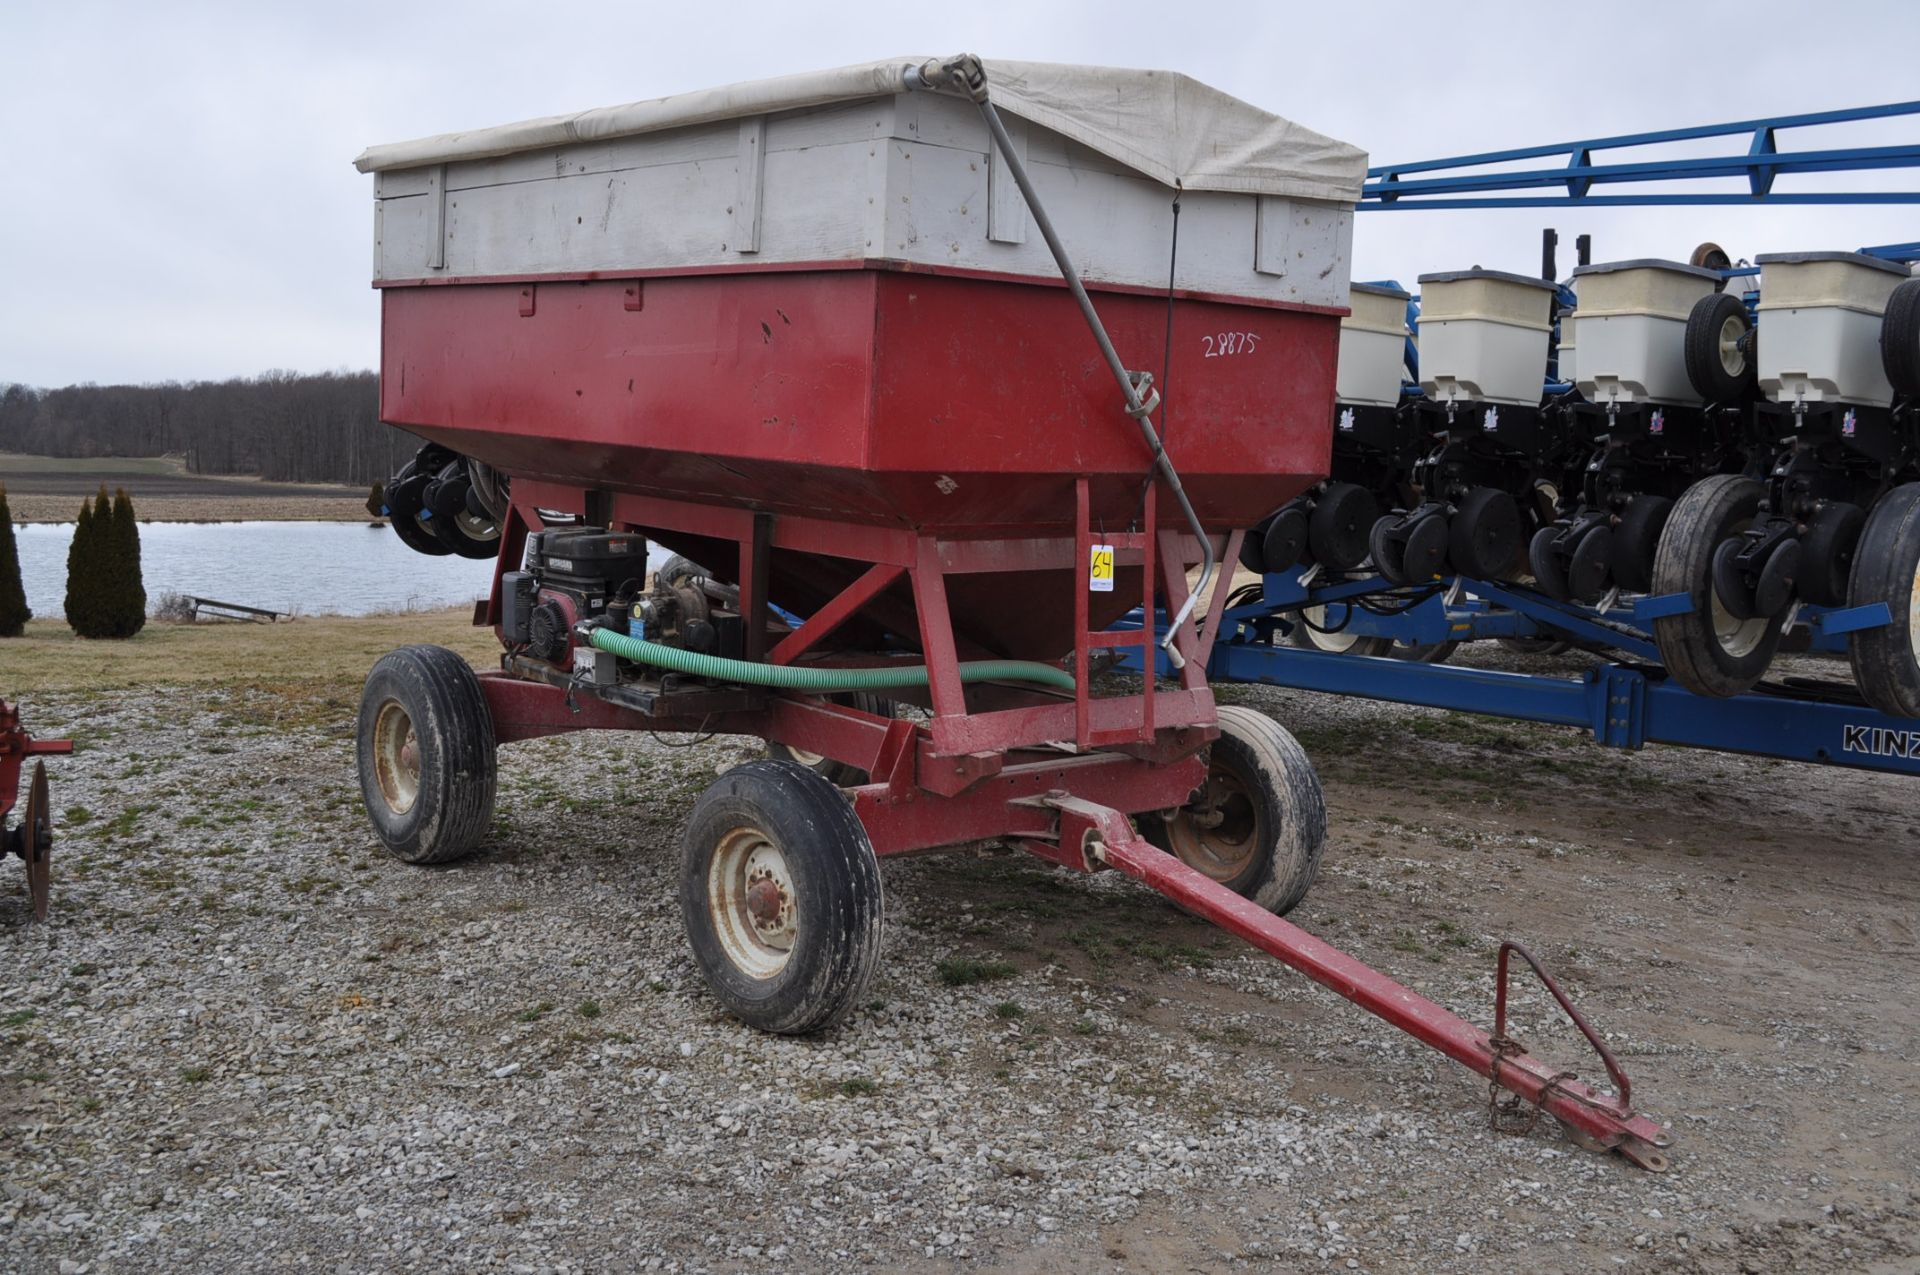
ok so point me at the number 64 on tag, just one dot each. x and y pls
(1100, 569)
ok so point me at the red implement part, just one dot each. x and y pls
(876, 403)
(32, 840)
(1591, 1115)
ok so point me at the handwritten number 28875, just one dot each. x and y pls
(1220, 345)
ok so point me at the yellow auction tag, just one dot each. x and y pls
(1100, 570)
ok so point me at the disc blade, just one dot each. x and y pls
(37, 847)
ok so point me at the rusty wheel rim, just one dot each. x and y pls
(1219, 834)
(396, 757)
(751, 899)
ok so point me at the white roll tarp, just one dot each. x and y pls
(1164, 125)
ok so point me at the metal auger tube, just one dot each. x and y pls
(966, 73)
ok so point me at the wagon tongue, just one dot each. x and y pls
(1591, 1117)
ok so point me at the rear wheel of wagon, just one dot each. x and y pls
(839, 773)
(1259, 824)
(426, 755)
(780, 892)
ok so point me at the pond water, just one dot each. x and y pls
(304, 568)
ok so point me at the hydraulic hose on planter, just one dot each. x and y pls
(787, 677)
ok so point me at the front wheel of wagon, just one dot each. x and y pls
(780, 891)
(1259, 824)
(426, 755)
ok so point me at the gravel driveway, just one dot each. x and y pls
(251, 1042)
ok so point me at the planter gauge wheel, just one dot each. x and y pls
(1886, 658)
(1711, 650)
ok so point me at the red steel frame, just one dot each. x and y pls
(996, 773)
(16, 745)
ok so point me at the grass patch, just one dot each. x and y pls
(588, 1009)
(196, 1075)
(535, 1014)
(327, 653)
(19, 1018)
(1009, 1010)
(962, 971)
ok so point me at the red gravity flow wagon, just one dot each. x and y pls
(926, 372)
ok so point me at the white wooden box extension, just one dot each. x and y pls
(1633, 330)
(1483, 336)
(891, 176)
(1819, 337)
(1373, 346)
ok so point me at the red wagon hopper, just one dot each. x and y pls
(926, 372)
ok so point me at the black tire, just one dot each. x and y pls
(1389, 555)
(838, 773)
(677, 569)
(416, 537)
(464, 534)
(425, 751)
(1886, 568)
(1636, 541)
(1707, 650)
(1826, 568)
(1591, 567)
(1250, 555)
(1424, 652)
(1548, 572)
(1284, 542)
(404, 507)
(1338, 642)
(1273, 829)
(1900, 338)
(1338, 530)
(780, 892)
(1535, 645)
(1484, 537)
(1719, 348)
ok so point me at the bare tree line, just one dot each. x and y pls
(286, 426)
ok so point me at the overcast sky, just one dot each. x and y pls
(178, 199)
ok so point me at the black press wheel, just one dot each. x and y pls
(838, 773)
(426, 755)
(780, 892)
(1900, 338)
(1342, 521)
(463, 532)
(1250, 556)
(1260, 822)
(1886, 568)
(1719, 348)
(1485, 535)
(1708, 649)
(1636, 541)
(1284, 541)
(405, 505)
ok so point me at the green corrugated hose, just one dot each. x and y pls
(787, 677)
